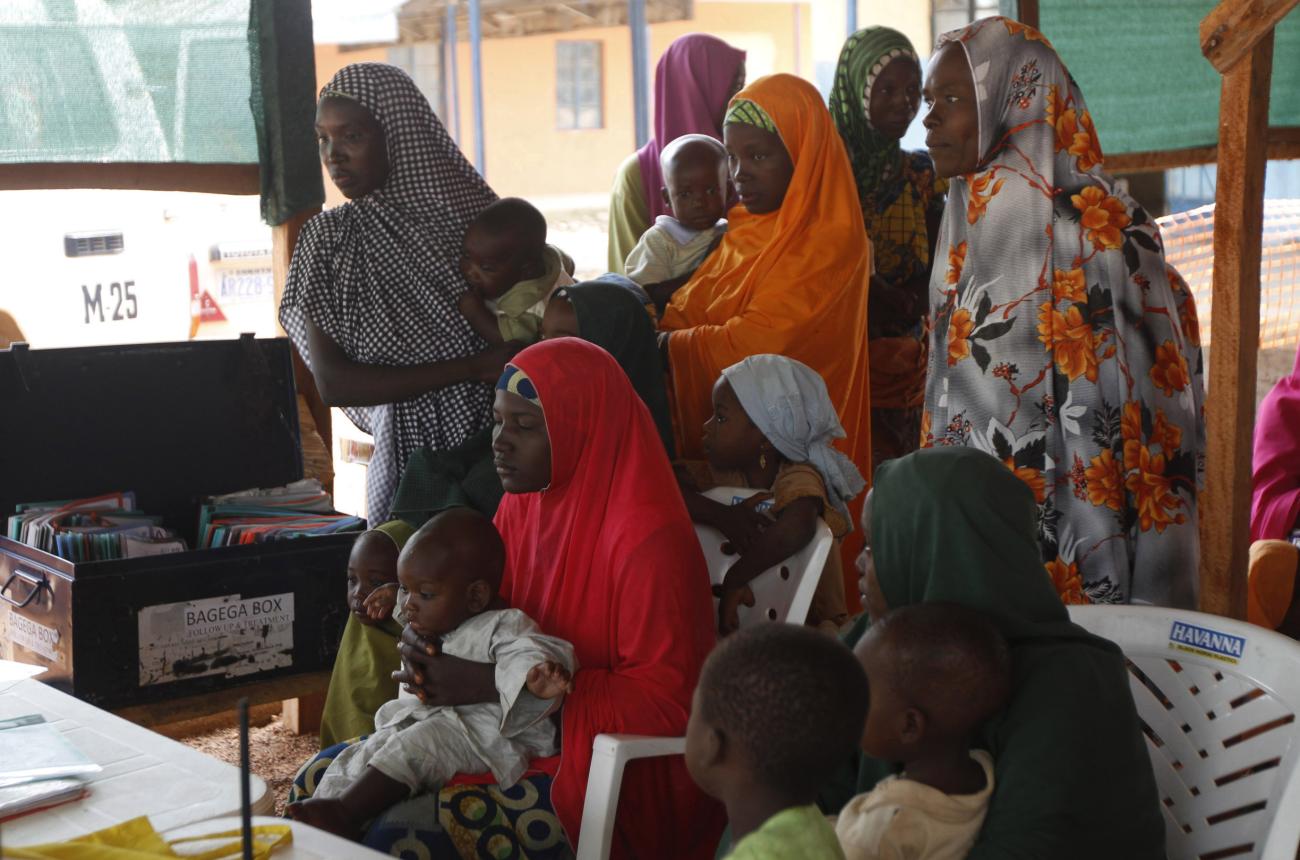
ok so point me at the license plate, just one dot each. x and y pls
(248, 285)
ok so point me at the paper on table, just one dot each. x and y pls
(11, 670)
(40, 751)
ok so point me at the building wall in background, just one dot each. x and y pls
(528, 155)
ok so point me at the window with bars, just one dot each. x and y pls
(578, 85)
(948, 15)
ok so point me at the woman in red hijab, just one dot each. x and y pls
(601, 552)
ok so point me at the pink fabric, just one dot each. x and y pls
(1276, 503)
(692, 85)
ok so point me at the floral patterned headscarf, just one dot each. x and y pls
(1063, 344)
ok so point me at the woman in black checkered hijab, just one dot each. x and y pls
(371, 296)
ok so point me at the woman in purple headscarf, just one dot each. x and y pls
(696, 78)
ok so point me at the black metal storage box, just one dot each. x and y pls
(173, 422)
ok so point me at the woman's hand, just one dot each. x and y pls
(439, 679)
(729, 602)
(742, 525)
(489, 363)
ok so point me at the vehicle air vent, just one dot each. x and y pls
(91, 244)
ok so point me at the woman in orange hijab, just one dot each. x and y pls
(791, 275)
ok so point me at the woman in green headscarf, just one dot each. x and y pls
(611, 313)
(1072, 772)
(362, 679)
(876, 96)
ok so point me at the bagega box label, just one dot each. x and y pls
(226, 636)
(35, 637)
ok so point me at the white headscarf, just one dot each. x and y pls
(788, 402)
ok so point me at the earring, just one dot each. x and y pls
(762, 461)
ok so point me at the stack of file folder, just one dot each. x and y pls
(255, 516)
(101, 528)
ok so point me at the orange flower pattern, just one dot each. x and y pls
(1068, 285)
(1170, 370)
(956, 259)
(1075, 134)
(982, 190)
(959, 329)
(1073, 348)
(1153, 492)
(1104, 481)
(1167, 435)
(1033, 479)
(1069, 585)
(1070, 339)
(1103, 216)
(1016, 28)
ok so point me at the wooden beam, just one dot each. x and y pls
(1234, 331)
(1028, 12)
(1234, 27)
(1282, 143)
(226, 699)
(209, 178)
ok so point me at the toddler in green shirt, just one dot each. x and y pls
(778, 708)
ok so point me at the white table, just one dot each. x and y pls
(308, 842)
(143, 772)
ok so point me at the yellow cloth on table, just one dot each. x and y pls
(137, 840)
(1271, 582)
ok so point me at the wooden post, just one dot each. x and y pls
(1029, 13)
(284, 238)
(301, 715)
(1230, 406)
(1234, 27)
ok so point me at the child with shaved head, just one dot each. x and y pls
(511, 271)
(938, 672)
(696, 191)
(449, 572)
(778, 709)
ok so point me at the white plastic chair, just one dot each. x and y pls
(1218, 700)
(782, 594)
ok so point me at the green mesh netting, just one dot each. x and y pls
(125, 80)
(1140, 67)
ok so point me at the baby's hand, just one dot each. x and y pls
(379, 604)
(729, 602)
(549, 680)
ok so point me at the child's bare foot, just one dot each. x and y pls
(328, 814)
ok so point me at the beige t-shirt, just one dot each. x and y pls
(901, 819)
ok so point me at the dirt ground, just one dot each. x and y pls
(275, 752)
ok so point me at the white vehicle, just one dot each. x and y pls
(108, 267)
(128, 80)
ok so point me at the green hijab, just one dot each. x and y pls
(362, 679)
(876, 159)
(611, 316)
(1072, 774)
